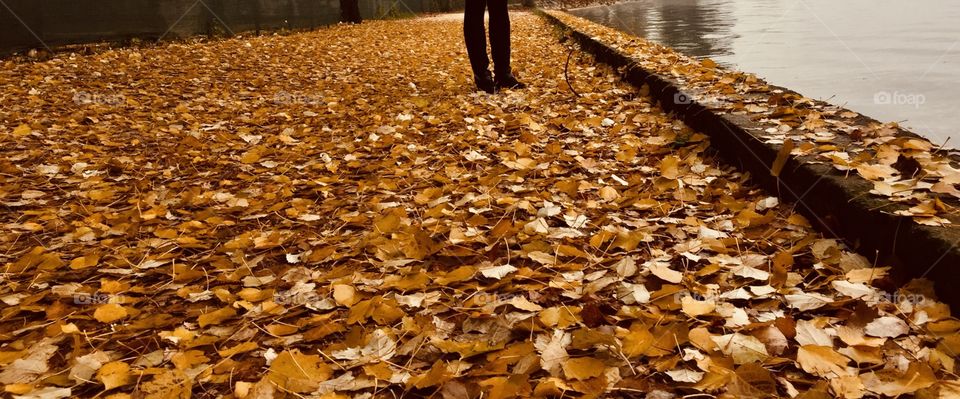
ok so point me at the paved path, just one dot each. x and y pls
(339, 211)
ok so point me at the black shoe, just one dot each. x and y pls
(509, 81)
(485, 83)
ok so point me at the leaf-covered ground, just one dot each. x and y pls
(919, 179)
(337, 214)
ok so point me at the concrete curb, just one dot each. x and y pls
(836, 203)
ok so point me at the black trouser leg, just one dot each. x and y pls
(499, 36)
(350, 11)
(475, 37)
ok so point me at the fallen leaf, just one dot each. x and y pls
(782, 157)
(296, 372)
(663, 271)
(114, 374)
(694, 308)
(216, 317)
(497, 272)
(685, 375)
(583, 368)
(742, 348)
(822, 361)
(887, 326)
(110, 313)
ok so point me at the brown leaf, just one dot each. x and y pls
(297, 372)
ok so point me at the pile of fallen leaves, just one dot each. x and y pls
(920, 178)
(336, 214)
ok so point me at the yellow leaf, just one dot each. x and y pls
(22, 130)
(583, 368)
(84, 262)
(893, 383)
(741, 347)
(109, 313)
(281, 330)
(345, 295)
(415, 281)
(296, 372)
(822, 361)
(515, 386)
(663, 271)
(216, 317)
(876, 172)
(609, 193)
(388, 223)
(670, 167)
(69, 328)
(847, 387)
(637, 340)
(242, 388)
(694, 308)
(437, 375)
(379, 371)
(462, 273)
(166, 233)
(782, 157)
(381, 310)
(170, 384)
(466, 348)
(560, 316)
(18, 389)
(100, 195)
(114, 374)
(241, 348)
(249, 157)
(188, 359)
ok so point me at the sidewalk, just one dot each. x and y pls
(336, 214)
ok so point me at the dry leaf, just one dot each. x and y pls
(663, 271)
(695, 308)
(887, 326)
(497, 272)
(297, 372)
(742, 348)
(782, 157)
(822, 361)
(110, 313)
(583, 368)
(114, 374)
(685, 375)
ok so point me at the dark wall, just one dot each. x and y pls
(27, 24)
(373, 9)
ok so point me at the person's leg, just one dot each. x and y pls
(475, 37)
(499, 35)
(500, 43)
(350, 11)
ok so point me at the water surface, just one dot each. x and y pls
(893, 60)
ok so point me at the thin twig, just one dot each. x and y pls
(566, 72)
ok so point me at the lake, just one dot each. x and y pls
(893, 60)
